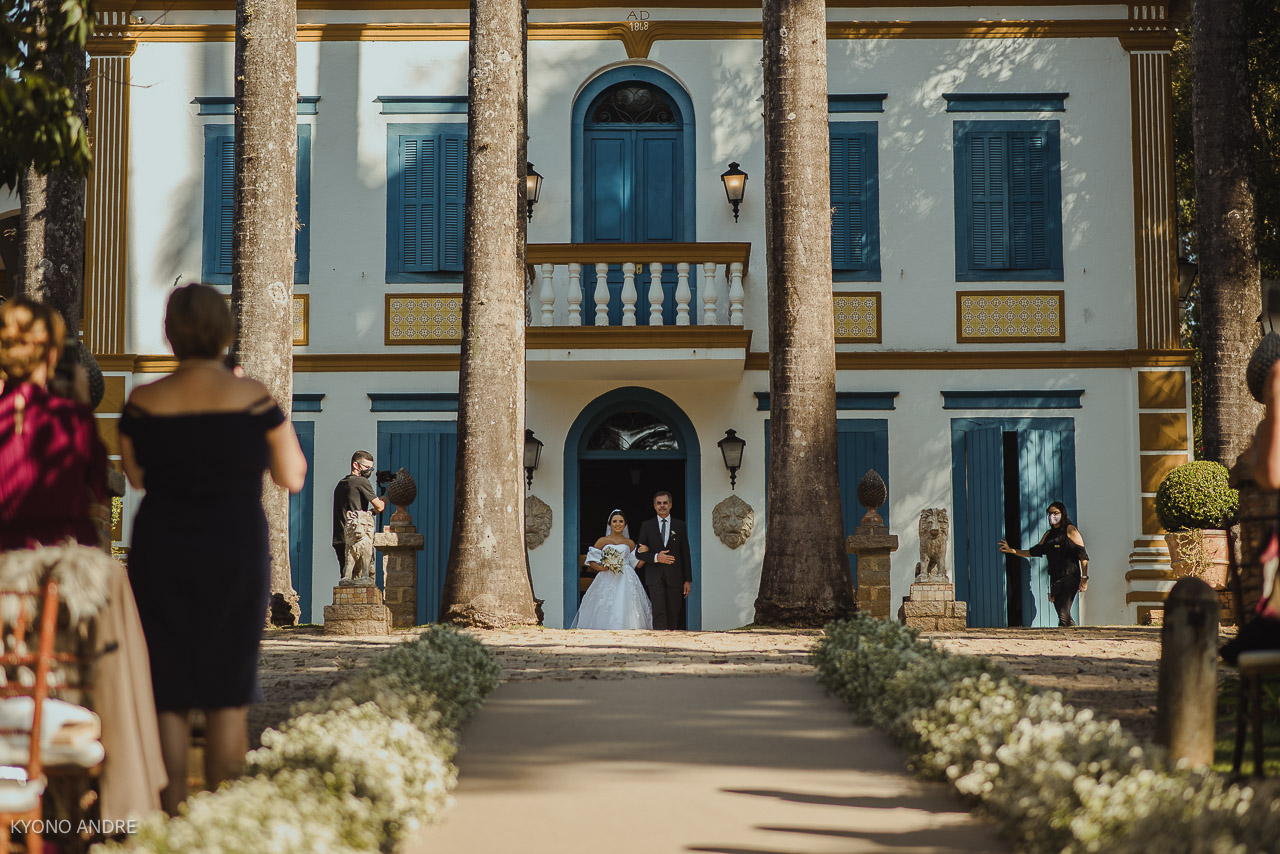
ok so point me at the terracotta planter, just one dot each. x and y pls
(1215, 548)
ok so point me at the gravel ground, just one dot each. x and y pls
(1111, 669)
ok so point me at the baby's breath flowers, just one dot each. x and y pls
(358, 770)
(1058, 779)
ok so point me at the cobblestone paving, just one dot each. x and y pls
(1109, 669)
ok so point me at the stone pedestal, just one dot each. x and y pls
(932, 607)
(872, 544)
(357, 609)
(400, 547)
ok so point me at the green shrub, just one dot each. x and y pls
(1196, 495)
(1058, 780)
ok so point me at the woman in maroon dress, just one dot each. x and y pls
(52, 463)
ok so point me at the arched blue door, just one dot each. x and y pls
(659, 450)
(633, 187)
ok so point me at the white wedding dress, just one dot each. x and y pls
(615, 600)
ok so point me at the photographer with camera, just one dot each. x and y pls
(354, 492)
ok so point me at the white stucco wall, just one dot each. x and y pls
(723, 78)
(348, 196)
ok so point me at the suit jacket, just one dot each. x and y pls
(677, 545)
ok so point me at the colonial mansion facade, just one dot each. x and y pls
(1004, 270)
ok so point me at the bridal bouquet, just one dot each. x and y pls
(612, 560)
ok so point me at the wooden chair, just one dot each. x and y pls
(41, 655)
(24, 619)
(1254, 666)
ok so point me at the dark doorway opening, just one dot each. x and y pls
(627, 485)
(1013, 529)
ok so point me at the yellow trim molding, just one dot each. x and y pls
(1162, 389)
(106, 205)
(1010, 317)
(1155, 248)
(636, 337)
(639, 40)
(588, 337)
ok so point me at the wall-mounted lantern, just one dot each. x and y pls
(731, 447)
(735, 186)
(532, 450)
(532, 187)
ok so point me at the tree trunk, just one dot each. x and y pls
(266, 146)
(1228, 261)
(805, 579)
(486, 584)
(51, 222)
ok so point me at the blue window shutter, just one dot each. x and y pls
(219, 203)
(855, 218)
(1028, 200)
(454, 201)
(988, 201)
(419, 203)
(1008, 201)
(302, 186)
(840, 250)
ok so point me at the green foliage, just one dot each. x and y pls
(39, 123)
(1197, 495)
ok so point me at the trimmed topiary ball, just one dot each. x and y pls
(1196, 496)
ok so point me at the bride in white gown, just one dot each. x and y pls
(616, 598)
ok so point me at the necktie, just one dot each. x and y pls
(664, 532)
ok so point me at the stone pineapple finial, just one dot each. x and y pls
(402, 491)
(871, 494)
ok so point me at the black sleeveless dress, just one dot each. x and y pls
(198, 562)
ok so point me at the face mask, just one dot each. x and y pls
(1054, 518)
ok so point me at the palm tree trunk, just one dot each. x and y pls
(1226, 230)
(262, 250)
(486, 584)
(51, 220)
(805, 579)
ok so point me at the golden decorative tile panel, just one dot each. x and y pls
(993, 317)
(301, 311)
(857, 318)
(424, 319)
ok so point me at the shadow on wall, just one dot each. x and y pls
(8, 252)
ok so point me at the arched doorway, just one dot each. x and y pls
(633, 159)
(623, 447)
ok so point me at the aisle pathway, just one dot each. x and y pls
(657, 743)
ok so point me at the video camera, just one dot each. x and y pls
(386, 476)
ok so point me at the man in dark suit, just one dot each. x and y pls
(666, 569)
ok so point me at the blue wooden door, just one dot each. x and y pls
(862, 444)
(301, 523)
(633, 194)
(1046, 473)
(980, 567)
(428, 449)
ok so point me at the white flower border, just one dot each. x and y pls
(1056, 779)
(361, 769)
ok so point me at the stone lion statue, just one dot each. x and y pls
(357, 531)
(537, 521)
(732, 520)
(933, 545)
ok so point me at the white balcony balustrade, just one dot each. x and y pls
(637, 284)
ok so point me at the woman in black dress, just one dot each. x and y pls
(1063, 546)
(198, 441)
